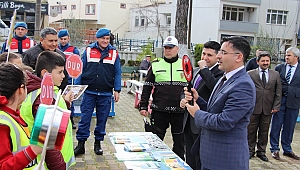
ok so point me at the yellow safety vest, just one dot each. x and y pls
(18, 135)
(26, 113)
(163, 73)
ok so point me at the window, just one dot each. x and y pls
(57, 8)
(233, 13)
(73, 7)
(276, 17)
(20, 16)
(90, 9)
(64, 7)
(123, 6)
(143, 21)
(136, 21)
(168, 20)
(30, 17)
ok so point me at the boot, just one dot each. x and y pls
(97, 148)
(73, 124)
(79, 148)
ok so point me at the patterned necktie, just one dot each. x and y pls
(288, 75)
(220, 84)
(197, 82)
(263, 78)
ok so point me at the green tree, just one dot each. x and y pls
(76, 28)
(266, 42)
(198, 53)
(146, 50)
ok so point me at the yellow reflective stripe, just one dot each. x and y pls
(34, 94)
(16, 142)
(71, 162)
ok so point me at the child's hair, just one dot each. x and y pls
(27, 68)
(48, 60)
(11, 78)
(10, 57)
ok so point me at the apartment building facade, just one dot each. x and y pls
(96, 13)
(212, 20)
(152, 21)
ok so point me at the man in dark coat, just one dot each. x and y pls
(48, 41)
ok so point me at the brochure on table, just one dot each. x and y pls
(144, 150)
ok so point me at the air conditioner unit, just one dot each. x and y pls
(250, 9)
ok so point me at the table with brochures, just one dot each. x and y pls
(144, 150)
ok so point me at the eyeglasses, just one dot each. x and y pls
(222, 52)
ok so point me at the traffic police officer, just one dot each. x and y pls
(167, 78)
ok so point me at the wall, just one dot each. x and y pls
(78, 13)
(114, 17)
(205, 21)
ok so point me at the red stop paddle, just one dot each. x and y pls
(188, 74)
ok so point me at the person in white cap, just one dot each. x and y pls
(167, 78)
(20, 42)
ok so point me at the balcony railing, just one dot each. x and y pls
(238, 26)
(257, 2)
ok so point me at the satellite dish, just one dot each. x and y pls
(53, 12)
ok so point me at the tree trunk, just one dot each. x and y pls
(181, 25)
(37, 26)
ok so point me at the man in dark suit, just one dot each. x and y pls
(252, 64)
(268, 97)
(223, 142)
(205, 78)
(284, 121)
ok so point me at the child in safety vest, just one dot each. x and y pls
(53, 63)
(16, 152)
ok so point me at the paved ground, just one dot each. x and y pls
(128, 119)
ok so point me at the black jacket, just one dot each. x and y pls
(251, 64)
(209, 80)
(30, 56)
(166, 95)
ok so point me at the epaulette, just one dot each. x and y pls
(156, 60)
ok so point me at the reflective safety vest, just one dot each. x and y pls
(163, 73)
(69, 51)
(94, 55)
(26, 44)
(26, 113)
(19, 136)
